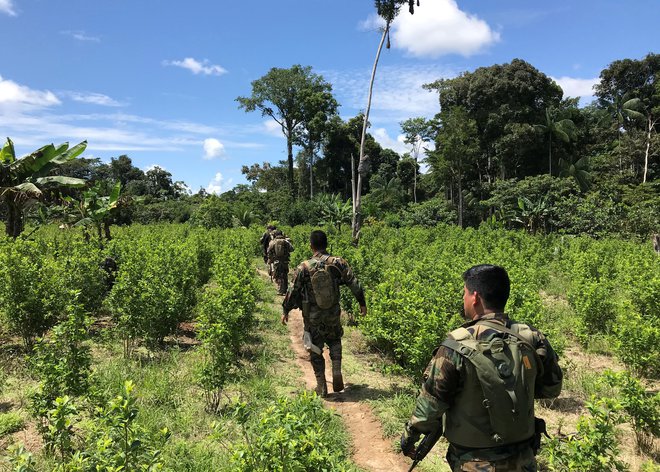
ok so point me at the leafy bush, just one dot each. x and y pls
(30, 300)
(212, 213)
(10, 422)
(294, 435)
(62, 363)
(594, 448)
(225, 318)
(641, 406)
(155, 288)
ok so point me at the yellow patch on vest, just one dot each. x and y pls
(528, 365)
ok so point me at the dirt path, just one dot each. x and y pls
(370, 450)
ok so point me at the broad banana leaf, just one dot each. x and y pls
(83, 222)
(28, 188)
(114, 195)
(61, 181)
(60, 159)
(7, 154)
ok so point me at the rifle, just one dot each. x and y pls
(425, 446)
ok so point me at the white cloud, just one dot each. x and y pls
(16, 96)
(94, 99)
(81, 35)
(384, 139)
(373, 22)
(273, 128)
(439, 27)
(213, 148)
(197, 67)
(218, 184)
(152, 167)
(574, 87)
(7, 7)
(398, 92)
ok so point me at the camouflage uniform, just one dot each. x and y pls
(265, 240)
(443, 382)
(280, 264)
(324, 326)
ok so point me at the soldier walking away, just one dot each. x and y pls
(315, 290)
(265, 240)
(279, 252)
(481, 384)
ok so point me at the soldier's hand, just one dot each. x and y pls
(363, 310)
(285, 318)
(408, 444)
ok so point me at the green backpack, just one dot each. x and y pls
(281, 248)
(506, 368)
(324, 286)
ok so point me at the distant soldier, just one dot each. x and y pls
(279, 253)
(656, 243)
(482, 382)
(315, 290)
(265, 240)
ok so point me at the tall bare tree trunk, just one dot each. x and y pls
(357, 216)
(651, 125)
(14, 226)
(353, 181)
(311, 174)
(415, 182)
(289, 149)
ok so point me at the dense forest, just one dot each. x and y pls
(507, 149)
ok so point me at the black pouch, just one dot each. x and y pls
(539, 430)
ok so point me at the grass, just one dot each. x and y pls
(11, 422)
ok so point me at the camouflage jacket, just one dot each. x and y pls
(301, 289)
(265, 240)
(443, 378)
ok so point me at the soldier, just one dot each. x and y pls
(265, 240)
(279, 251)
(483, 379)
(315, 290)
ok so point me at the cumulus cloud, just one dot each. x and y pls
(273, 128)
(385, 140)
(213, 148)
(218, 184)
(574, 87)
(440, 27)
(13, 95)
(94, 99)
(398, 92)
(81, 35)
(196, 67)
(7, 7)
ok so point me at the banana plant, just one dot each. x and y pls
(23, 180)
(95, 210)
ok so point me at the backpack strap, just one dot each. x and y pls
(504, 329)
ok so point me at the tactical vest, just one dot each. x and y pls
(496, 405)
(323, 284)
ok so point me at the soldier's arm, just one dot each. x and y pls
(549, 384)
(348, 278)
(439, 388)
(293, 297)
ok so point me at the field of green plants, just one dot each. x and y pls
(174, 359)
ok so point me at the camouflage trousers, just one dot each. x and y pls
(522, 460)
(281, 277)
(328, 333)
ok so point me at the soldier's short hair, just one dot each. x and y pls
(318, 240)
(278, 232)
(270, 227)
(491, 282)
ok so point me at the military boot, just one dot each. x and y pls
(321, 386)
(337, 379)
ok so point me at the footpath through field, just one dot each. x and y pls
(370, 450)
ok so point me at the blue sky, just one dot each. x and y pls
(157, 80)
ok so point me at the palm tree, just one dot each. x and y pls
(387, 10)
(562, 129)
(579, 170)
(23, 180)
